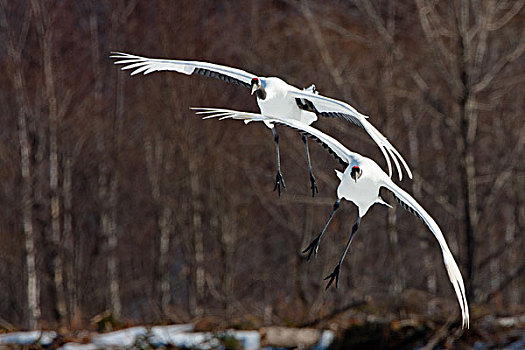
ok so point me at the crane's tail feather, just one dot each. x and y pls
(222, 113)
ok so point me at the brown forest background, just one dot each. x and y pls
(115, 196)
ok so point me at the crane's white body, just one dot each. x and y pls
(360, 192)
(280, 101)
(365, 191)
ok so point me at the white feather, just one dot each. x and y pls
(365, 192)
(279, 102)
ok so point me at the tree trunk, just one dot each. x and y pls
(197, 239)
(69, 241)
(27, 201)
(156, 165)
(42, 20)
(398, 275)
(165, 233)
(108, 198)
(111, 232)
(14, 51)
(108, 185)
(33, 293)
(227, 244)
(110, 229)
(465, 142)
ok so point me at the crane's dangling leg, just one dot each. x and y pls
(313, 183)
(335, 271)
(279, 177)
(314, 246)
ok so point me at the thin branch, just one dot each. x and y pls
(352, 305)
(130, 7)
(504, 175)
(440, 335)
(438, 48)
(440, 199)
(498, 66)
(263, 198)
(26, 23)
(481, 49)
(507, 16)
(516, 273)
(368, 8)
(498, 251)
(509, 82)
(15, 53)
(387, 37)
(322, 46)
(65, 102)
(342, 31)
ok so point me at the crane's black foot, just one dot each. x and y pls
(278, 182)
(312, 248)
(332, 276)
(313, 186)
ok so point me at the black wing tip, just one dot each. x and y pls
(348, 117)
(213, 74)
(316, 139)
(406, 206)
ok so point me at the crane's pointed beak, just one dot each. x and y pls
(254, 88)
(355, 173)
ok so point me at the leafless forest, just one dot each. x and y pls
(115, 197)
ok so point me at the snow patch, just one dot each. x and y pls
(43, 338)
(179, 336)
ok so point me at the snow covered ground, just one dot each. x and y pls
(180, 336)
(43, 338)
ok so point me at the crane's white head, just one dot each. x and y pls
(258, 88)
(356, 172)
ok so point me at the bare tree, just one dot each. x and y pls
(468, 72)
(158, 167)
(56, 111)
(122, 199)
(14, 49)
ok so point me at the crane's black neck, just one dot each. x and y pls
(260, 93)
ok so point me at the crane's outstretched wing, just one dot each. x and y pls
(334, 147)
(148, 65)
(346, 157)
(328, 107)
(410, 204)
